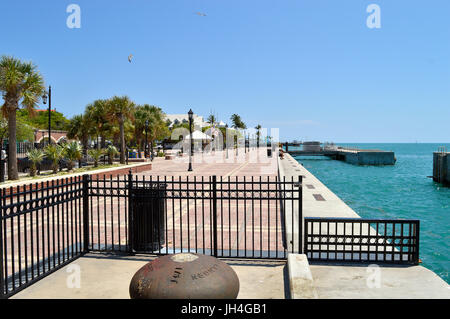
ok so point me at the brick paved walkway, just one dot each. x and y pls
(246, 226)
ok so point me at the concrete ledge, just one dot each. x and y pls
(287, 169)
(122, 170)
(138, 160)
(112, 171)
(301, 282)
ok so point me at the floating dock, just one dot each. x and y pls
(349, 155)
(441, 164)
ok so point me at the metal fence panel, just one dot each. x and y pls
(226, 217)
(41, 230)
(362, 240)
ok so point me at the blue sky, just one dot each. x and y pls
(309, 67)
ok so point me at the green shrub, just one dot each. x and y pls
(111, 151)
(54, 152)
(73, 152)
(36, 156)
(96, 154)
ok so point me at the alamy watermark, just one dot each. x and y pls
(74, 279)
(74, 19)
(226, 145)
(374, 278)
(374, 19)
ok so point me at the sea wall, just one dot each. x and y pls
(368, 158)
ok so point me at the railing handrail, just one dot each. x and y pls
(356, 219)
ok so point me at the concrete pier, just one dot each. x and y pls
(365, 157)
(349, 155)
(441, 167)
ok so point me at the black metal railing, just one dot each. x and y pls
(44, 226)
(41, 230)
(47, 225)
(224, 217)
(362, 240)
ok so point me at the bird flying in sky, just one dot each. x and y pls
(130, 57)
(200, 14)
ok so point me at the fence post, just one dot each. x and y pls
(416, 257)
(86, 181)
(2, 281)
(214, 195)
(300, 214)
(2, 168)
(130, 213)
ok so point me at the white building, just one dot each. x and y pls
(199, 121)
(184, 118)
(221, 124)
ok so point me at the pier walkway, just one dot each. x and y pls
(108, 276)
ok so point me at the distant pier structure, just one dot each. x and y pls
(441, 166)
(349, 155)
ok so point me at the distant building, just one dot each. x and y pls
(199, 121)
(312, 146)
(184, 118)
(56, 136)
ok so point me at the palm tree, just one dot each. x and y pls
(97, 113)
(118, 110)
(140, 117)
(212, 119)
(80, 127)
(96, 154)
(237, 122)
(72, 152)
(20, 83)
(55, 153)
(258, 134)
(158, 128)
(35, 156)
(111, 151)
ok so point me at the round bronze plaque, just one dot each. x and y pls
(185, 276)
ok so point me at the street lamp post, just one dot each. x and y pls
(146, 140)
(151, 146)
(226, 141)
(191, 152)
(245, 143)
(44, 99)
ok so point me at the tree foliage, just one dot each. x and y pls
(21, 84)
(39, 119)
(237, 122)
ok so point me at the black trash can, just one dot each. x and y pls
(269, 152)
(148, 219)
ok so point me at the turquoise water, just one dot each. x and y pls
(399, 191)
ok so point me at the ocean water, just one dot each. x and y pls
(399, 191)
